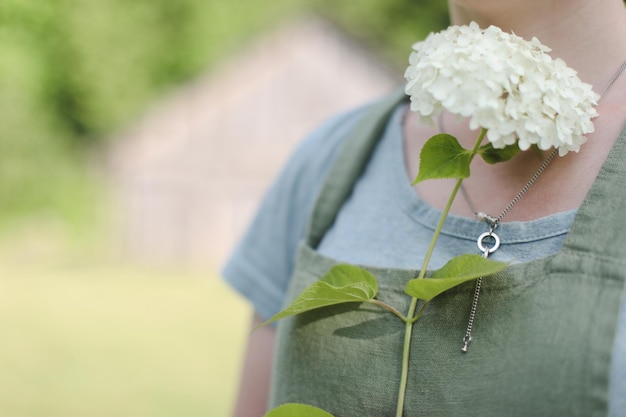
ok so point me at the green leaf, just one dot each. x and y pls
(342, 284)
(457, 271)
(443, 157)
(492, 155)
(297, 410)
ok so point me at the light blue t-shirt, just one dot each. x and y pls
(383, 223)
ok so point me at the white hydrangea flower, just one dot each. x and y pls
(503, 83)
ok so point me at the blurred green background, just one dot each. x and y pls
(81, 335)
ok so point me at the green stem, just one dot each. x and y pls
(388, 308)
(408, 330)
(411, 316)
(419, 313)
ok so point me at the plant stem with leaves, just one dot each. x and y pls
(346, 283)
(412, 317)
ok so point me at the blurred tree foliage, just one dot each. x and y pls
(73, 71)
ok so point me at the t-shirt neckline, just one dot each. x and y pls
(458, 226)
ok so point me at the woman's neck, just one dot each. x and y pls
(591, 40)
(590, 36)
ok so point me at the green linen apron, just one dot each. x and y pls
(543, 337)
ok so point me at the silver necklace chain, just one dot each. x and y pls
(494, 222)
(615, 77)
(489, 242)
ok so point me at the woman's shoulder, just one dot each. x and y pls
(262, 263)
(315, 155)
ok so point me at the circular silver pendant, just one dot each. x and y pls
(488, 238)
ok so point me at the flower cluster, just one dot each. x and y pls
(503, 83)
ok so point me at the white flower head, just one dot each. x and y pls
(503, 83)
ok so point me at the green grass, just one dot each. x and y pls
(88, 342)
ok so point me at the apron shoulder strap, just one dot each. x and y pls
(349, 165)
(600, 225)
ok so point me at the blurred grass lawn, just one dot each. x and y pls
(106, 342)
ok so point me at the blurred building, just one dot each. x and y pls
(190, 174)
